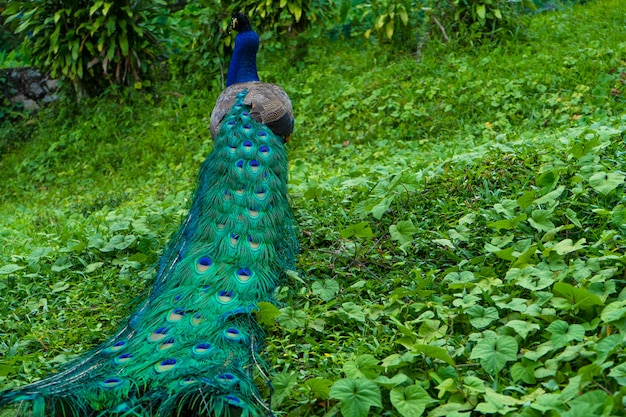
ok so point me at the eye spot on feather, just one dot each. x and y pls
(111, 382)
(247, 145)
(225, 297)
(175, 315)
(244, 275)
(253, 212)
(232, 149)
(167, 344)
(123, 358)
(158, 335)
(253, 243)
(254, 166)
(240, 191)
(233, 334)
(227, 379)
(166, 365)
(264, 150)
(186, 381)
(197, 320)
(240, 164)
(234, 239)
(260, 193)
(201, 348)
(262, 135)
(234, 400)
(203, 264)
(117, 346)
(227, 195)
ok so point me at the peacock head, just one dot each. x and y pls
(240, 23)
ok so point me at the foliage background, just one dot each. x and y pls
(461, 206)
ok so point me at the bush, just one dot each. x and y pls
(93, 43)
(202, 47)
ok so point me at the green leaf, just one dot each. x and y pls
(522, 328)
(10, 268)
(283, 384)
(607, 346)
(6, 370)
(522, 373)
(398, 379)
(434, 352)
(320, 387)
(364, 366)
(291, 318)
(474, 384)
(551, 197)
(267, 313)
(59, 287)
(357, 396)
(530, 277)
(605, 182)
(578, 297)
(614, 311)
(403, 231)
(494, 353)
(353, 311)
(567, 246)
(119, 242)
(481, 11)
(541, 220)
(95, 7)
(482, 317)
(619, 374)
(326, 290)
(57, 15)
(107, 6)
(592, 403)
(361, 229)
(410, 401)
(123, 41)
(563, 333)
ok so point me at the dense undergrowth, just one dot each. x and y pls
(462, 219)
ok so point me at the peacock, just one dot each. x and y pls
(192, 348)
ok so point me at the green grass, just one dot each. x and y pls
(462, 220)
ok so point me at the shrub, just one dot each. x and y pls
(93, 43)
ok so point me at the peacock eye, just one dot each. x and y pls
(204, 263)
(111, 382)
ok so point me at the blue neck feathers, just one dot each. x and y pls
(242, 66)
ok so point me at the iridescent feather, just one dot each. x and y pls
(192, 348)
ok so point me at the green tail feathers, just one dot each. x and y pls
(192, 348)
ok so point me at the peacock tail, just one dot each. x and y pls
(192, 347)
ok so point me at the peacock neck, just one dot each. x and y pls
(242, 66)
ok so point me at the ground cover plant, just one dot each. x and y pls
(462, 219)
